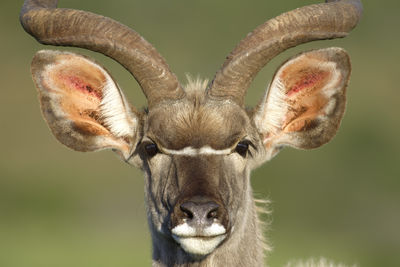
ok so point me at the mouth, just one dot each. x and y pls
(199, 242)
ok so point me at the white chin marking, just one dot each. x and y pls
(196, 241)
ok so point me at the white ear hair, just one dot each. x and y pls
(274, 108)
(115, 111)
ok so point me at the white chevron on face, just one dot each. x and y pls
(190, 151)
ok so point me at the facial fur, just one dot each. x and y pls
(196, 139)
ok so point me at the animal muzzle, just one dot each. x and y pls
(199, 225)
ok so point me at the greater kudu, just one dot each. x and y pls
(196, 144)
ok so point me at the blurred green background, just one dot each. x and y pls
(342, 201)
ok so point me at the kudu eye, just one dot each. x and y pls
(242, 148)
(151, 149)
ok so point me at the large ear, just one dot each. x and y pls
(83, 106)
(306, 100)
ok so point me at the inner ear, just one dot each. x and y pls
(304, 77)
(82, 87)
(306, 86)
(82, 104)
(306, 100)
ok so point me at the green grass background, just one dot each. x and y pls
(342, 201)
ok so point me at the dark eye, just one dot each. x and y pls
(151, 149)
(242, 148)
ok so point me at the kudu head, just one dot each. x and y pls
(196, 144)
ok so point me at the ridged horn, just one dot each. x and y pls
(333, 19)
(69, 27)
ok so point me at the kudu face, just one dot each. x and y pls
(198, 144)
(197, 164)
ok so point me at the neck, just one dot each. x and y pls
(244, 247)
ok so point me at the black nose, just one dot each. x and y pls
(200, 213)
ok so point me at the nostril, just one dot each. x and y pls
(213, 214)
(188, 213)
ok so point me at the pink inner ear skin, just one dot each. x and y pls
(77, 83)
(79, 95)
(310, 80)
